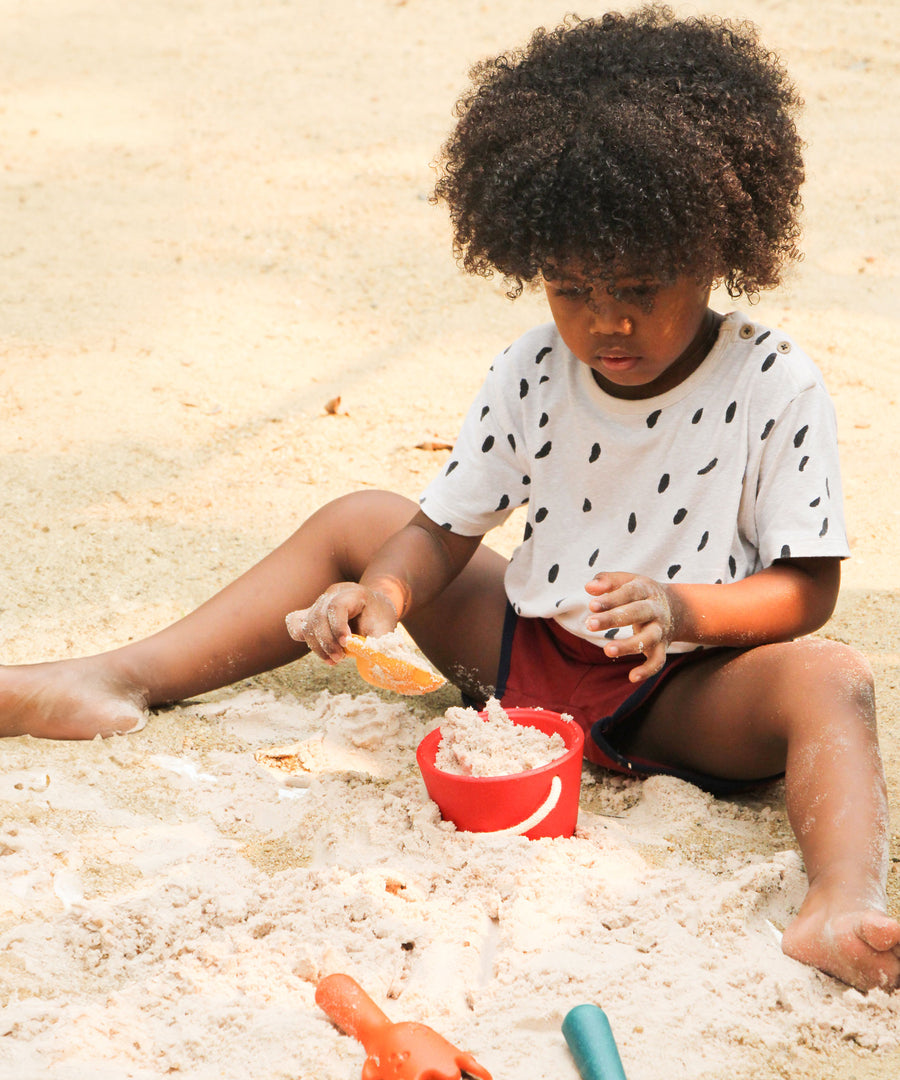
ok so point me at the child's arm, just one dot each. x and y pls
(786, 600)
(411, 568)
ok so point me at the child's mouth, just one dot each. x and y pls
(618, 363)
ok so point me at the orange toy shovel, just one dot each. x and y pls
(390, 672)
(406, 1051)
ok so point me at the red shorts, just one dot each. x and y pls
(545, 666)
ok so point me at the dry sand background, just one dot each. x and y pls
(213, 220)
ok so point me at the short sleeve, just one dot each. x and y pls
(485, 478)
(799, 503)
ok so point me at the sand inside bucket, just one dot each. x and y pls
(496, 746)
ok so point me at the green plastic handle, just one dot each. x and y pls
(591, 1041)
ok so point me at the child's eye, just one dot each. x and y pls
(642, 295)
(572, 292)
(644, 291)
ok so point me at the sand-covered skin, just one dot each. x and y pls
(214, 222)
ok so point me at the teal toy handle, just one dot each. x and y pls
(591, 1041)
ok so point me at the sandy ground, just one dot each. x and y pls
(214, 219)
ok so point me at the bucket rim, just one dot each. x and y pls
(433, 738)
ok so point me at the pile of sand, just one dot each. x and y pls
(493, 746)
(169, 905)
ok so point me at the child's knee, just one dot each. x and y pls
(834, 671)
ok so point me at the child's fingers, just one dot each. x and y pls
(326, 623)
(651, 666)
(295, 622)
(608, 581)
(626, 614)
(313, 628)
(647, 642)
(614, 590)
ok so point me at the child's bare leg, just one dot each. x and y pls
(240, 631)
(806, 707)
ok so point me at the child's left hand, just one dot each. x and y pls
(619, 599)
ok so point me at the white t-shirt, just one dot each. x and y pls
(712, 481)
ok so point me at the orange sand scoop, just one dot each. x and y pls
(406, 1051)
(391, 672)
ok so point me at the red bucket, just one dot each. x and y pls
(536, 803)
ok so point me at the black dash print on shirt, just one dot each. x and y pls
(786, 551)
(544, 450)
(695, 419)
(762, 337)
(800, 436)
(511, 439)
(541, 514)
(816, 500)
(827, 488)
(504, 502)
(680, 515)
(653, 417)
(523, 387)
(824, 528)
(632, 522)
(730, 411)
(485, 411)
(732, 565)
(593, 557)
(553, 573)
(540, 356)
(526, 479)
(545, 378)
(447, 526)
(768, 362)
(765, 431)
(526, 535)
(559, 601)
(595, 453)
(708, 468)
(663, 483)
(451, 465)
(803, 462)
(673, 570)
(544, 420)
(610, 634)
(586, 505)
(703, 541)
(487, 444)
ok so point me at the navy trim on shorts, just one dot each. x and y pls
(630, 711)
(510, 619)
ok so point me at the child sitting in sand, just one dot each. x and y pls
(684, 526)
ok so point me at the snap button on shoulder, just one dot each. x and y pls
(747, 331)
(784, 346)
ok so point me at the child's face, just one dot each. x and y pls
(639, 336)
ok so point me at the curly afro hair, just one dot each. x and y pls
(633, 143)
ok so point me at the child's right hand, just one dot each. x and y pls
(325, 625)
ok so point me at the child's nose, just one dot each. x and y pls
(609, 319)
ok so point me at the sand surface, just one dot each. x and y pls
(214, 221)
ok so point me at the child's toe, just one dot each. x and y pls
(879, 931)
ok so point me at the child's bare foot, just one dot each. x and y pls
(68, 699)
(855, 942)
